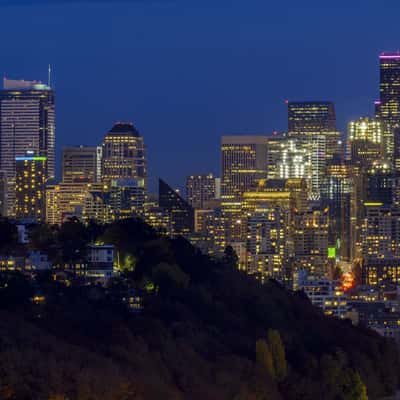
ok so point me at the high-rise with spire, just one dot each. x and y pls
(27, 123)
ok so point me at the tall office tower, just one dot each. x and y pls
(201, 190)
(123, 154)
(27, 122)
(318, 146)
(310, 238)
(30, 201)
(339, 197)
(388, 107)
(81, 164)
(308, 119)
(364, 141)
(180, 211)
(381, 244)
(313, 124)
(244, 163)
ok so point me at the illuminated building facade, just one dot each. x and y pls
(379, 183)
(313, 124)
(267, 214)
(381, 232)
(365, 129)
(310, 241)
(64, 201)
(214, 225)
(81, 164)
(381, 244)
(127, 197)
(338, 196)
(180, 211)
(30, 199)
(306, 120)
(324, 293)
(201, 217)
(364, 144)
(27, 122)
(388, 107)
(201, 190)
(3, 193)
(276, 144)
(267, 243)
(97, 206)
(157, 218)
(309, 117)
(244, 163)
(294, 161)
(123, 154)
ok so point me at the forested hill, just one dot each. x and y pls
(206, 331)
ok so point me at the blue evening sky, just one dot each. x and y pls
(187, 71)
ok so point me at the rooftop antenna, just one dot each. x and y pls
(49, 77)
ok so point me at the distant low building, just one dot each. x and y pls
(100, 262)
(37, 261)
(7, 263)
(324, 293)
(23, 237)
(378, 317)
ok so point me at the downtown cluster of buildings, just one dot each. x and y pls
(305, 207)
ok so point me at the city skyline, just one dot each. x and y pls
(199, 200)
(194, 83)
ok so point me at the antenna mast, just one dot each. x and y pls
(49, 77)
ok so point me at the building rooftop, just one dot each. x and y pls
(124, 128)
(388, 55)
(14, 84)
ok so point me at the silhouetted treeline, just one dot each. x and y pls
(206, 331)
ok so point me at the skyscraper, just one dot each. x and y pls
(27, 122)
(123, 154)
(313, 123)
(311, 117)
(338, 195)
(388, 107)
(244, 163)
(81, 164)
(30, 187)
